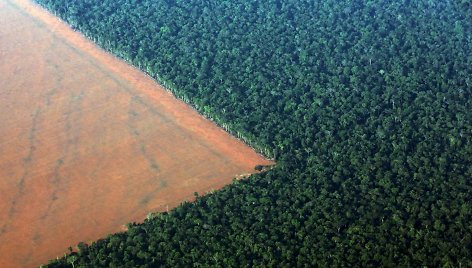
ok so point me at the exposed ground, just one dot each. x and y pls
(87, 143)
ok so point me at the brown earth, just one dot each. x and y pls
(88, 143)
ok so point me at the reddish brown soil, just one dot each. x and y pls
(88, 143)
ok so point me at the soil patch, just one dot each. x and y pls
(89, 143)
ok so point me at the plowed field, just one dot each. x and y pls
(88, 143)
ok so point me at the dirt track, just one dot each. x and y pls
(87, 143)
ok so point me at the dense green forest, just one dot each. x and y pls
(366, 106)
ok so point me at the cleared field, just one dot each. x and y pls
(87, 143)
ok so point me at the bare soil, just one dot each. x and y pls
(88, 143)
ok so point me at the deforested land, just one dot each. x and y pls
(89, 143)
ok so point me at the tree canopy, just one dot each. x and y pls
(366, 106)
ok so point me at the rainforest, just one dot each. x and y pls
(365, 106)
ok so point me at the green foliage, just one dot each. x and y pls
(366, 105)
